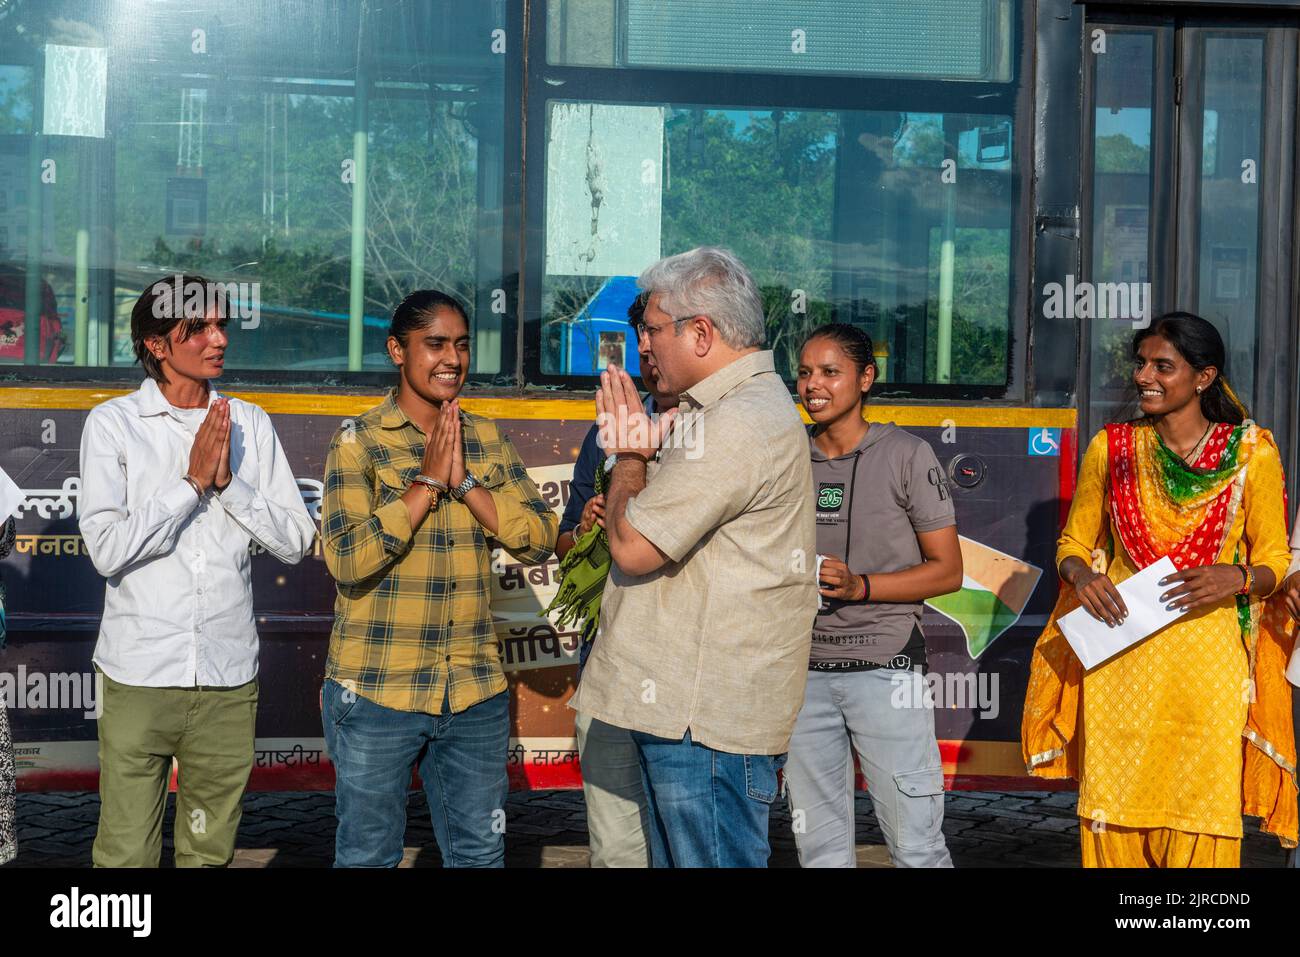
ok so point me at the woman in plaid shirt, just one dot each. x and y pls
(417, 494)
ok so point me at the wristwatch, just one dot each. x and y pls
(461, 490)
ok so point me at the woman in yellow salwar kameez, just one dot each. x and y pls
(1177, 736)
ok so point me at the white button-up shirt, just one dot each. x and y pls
(178, 608)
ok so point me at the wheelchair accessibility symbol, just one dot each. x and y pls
(1044, 441)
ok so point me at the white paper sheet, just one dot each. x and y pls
(11, 496)
(1094, 641)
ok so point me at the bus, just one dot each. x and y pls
(997, 191)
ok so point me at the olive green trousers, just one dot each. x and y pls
(210, 732)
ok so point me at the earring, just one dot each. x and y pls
(1198, 390)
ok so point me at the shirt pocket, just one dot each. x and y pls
(918, 814)
(391, 483)
(492, 476)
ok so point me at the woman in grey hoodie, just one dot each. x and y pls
(886, 541)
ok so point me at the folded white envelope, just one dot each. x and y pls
(1094, 641)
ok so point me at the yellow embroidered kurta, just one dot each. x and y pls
(1161, 729)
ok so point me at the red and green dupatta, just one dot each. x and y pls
(1162, 506)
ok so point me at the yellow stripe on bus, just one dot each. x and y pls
(307, 403)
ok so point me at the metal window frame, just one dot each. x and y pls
(603, 84)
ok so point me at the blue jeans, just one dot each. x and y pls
(707, 808)
(462, 763)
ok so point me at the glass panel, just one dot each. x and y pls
(1121, 210)
(952, 39)
(1229, 211)
(324, 178)
(899, 222)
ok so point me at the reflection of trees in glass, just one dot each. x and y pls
(921, 142)
(1113, 354)
(15, 100)
(422, 204)
(981, 306)
(764, 187)
(1118, 153)
(421, 211)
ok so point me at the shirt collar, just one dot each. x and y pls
(151, 401)
(392, 416)
(713, 387)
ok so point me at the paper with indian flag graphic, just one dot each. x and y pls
(994, 591)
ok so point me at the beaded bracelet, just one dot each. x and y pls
(1248, 579)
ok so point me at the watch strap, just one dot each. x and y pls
(463, 489)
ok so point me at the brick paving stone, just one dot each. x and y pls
(1016, 804)
(548, 829)
(1062, 825)
(963, 804)
(1023, 817)
(1061, 799)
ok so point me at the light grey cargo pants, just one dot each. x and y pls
(883, 716)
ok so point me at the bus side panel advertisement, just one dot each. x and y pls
(979, 639)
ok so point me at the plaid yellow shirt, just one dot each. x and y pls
(412, 609)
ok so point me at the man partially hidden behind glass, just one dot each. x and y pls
(706, 620)
(176, 482)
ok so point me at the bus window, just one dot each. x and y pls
(1121, 206)
(1229, 203)
(1176, 214)
(320, 162)
(900, 222)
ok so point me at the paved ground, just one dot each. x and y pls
(549, 829)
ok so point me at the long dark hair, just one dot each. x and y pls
(853, 340)
(1198, 342)
(417, 311)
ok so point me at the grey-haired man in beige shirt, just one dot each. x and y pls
(706, 619)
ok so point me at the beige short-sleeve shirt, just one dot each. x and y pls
(717, 640)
